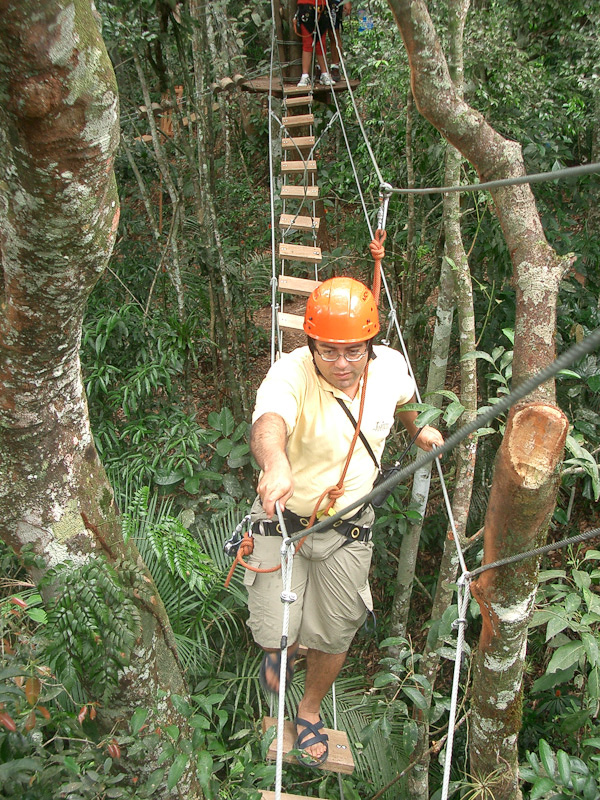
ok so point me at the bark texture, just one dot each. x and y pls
(537, 270)
(527, 472)
(59, 212)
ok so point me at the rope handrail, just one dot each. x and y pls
(538, 177)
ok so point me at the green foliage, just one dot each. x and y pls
(171, 542)
(559, 776)
(91, 627)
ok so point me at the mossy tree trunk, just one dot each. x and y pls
(59, 212)
(537, 270)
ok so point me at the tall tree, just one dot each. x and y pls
(59, 216)
(530, 491)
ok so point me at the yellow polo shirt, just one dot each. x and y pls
(320, 432)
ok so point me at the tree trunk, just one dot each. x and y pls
(537, 270)
(58, 135)
(527, 471)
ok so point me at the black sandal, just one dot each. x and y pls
(311, 729)
(272, 661)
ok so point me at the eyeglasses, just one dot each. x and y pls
(354, 354)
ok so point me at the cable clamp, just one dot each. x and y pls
(385, 191)
(289, 597)
(458, 622)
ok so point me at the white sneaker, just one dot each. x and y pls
(326, 79)
(304, 81)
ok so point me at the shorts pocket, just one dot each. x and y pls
(365, 595)
(250, 574)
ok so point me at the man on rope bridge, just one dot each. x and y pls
(318, 434)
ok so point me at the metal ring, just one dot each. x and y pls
(355, 533)
(278, 528)
(304, 522)
(338, 523)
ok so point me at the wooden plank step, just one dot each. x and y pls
(340, 756)
(290, 89)
(291, 143)
(298, 101)
(300, 252)
(297, 120)
(299, 192)
(301, 286)
(298, 167)
(298, 223)
(290, 322)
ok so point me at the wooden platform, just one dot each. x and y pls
(261, 86)
(340, 755)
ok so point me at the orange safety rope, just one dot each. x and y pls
(378, 252)
(334, 492)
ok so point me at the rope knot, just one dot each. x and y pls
(335, 492)
(377, 250)
(246, 545)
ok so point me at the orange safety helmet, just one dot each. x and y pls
(343, 311)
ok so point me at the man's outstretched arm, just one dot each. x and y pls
(268, 440)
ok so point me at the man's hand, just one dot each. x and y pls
(275, 484)
(428, 438)
(268, 441)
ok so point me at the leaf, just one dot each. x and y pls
(556, 625)
(453, 412)
(416, 697)
(541, 788)
(205, 769)
(565, 656)
(427, 417)
(590, 644)
(168, 478)
(477, 354)
(547, 758)
(176, 770)
(444, 393)
(138, 718)
(564, 767)
(32, 690)
(224, 447)
(569, 373)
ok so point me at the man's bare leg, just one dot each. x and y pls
(321, 671)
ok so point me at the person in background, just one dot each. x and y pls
(339, 9)
(309, 21)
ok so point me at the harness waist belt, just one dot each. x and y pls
(295, 523)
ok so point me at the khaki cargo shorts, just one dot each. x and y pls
(330, 577)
